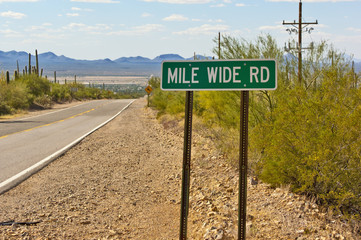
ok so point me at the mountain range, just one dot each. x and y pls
(65, 66)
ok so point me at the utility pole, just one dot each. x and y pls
(297, 28)
(219, 45)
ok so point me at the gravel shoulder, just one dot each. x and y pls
(124, 182)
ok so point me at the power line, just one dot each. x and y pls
(297, 27)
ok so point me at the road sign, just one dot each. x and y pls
(218, 75)
(148, 89)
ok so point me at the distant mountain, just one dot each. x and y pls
(137, 59)
(166, 57)
(65, 66)
(124, 66)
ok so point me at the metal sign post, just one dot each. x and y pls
(186, 165)
(243, 165)
(148, 89)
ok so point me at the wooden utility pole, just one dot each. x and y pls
(219, 45)
(297, 28)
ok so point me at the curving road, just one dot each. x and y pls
(29, 144)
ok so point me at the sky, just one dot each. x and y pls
(99, 29)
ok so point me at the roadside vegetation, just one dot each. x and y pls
(33, 91)
(304, 135)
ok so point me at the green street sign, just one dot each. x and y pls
(219, 75)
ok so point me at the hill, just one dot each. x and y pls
(65, 66)
(123, 66)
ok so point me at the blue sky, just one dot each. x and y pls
(98, 29)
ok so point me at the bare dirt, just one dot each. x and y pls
(124, 180)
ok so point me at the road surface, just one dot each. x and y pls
(27, 145)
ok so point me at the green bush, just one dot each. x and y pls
(37, 86)
(28, 90)
(166, 102)
(14, 96)
(312, 142)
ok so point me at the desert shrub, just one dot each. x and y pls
(13, 96)
(45, 101)
(166, 102)
(60, 93)
(312, 142)
(37, 86)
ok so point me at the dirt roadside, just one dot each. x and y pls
(123, 182)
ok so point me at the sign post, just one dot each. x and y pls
(218, 75)
(148, 89)
(243, 166)
(186, 165)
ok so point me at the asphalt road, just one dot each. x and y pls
(27, 145)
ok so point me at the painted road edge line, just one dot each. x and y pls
(22, 176)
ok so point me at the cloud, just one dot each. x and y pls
(92, 29)
(218, 5)
(215, 20)
(139, 30)
(352, 29)
(81, 9)
(1, 1)
(175, 17)
(73, 14)
(96, 1)
(144, 15)
(181, 1)
(240, 5)
(205, 29)
(42, 27)
(11, 14)
(312, 0)
(10, 33)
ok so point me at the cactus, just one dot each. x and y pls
(29, 63)
(41, 72)
(37, 62)
(7, 77)
(17, 64)
(54, 76)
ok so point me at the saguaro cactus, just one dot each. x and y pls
(29, 63)
(7, 77)
(37, 62)
(17, 64)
